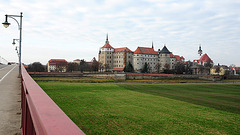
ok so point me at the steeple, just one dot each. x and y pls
(200, 50)
(107, 38)
(152, 44)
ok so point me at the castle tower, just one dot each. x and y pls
(106, 56)
(164, 57)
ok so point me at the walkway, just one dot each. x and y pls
(10, 101)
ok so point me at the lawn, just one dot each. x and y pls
(140, 108)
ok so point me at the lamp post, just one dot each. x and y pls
(6, 24)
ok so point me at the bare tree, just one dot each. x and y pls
(106, 67)
(72, 66)
(218, 69)
(158, 67)
(100, 66)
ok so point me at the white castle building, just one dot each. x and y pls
(115, 59)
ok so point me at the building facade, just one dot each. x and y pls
(115, 59)
(57, 65)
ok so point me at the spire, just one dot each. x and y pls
(107, 38)
(152, 44)
(200, 50)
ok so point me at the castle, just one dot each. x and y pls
(115, 59)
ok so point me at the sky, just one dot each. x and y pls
(76, 29)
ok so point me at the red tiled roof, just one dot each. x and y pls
(107, 45)
(58, 62)
(118, 69)
(178, 58)
(145, 50)
(203, 59)
(77, 60)
(236, 68)
(122, 49)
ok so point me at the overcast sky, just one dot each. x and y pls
(76, 29)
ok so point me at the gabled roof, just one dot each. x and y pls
(236, 68)
(122, 49)
(145, 50)
(107, 45)
(58, 62)
(178, 58)
(164, 50)
(77, 60)
(203, 59)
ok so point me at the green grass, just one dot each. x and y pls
(73, 79)
(138, 108)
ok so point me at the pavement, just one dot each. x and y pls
(10, 101)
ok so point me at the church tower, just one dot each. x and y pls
(200, 51)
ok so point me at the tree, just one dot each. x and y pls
(145, 68)
(83, 65)
(72, 66)
(167, 68)
(179, 68)
(158, 67)
(218, 69)
(100, 66)
(188, 69)
(106, 67)
(208, 64)
(128, 67)
(36, 67)
(94, 65)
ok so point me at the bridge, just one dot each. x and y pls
(26, 109)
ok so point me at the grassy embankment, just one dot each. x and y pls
(103, 80)
(140, 108)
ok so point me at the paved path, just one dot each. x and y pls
(10, 101)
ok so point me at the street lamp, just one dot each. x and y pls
(6, 24)
(13, 43)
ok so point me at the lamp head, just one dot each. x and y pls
(6, 23)
(13, 43)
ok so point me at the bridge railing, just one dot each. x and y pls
(40, 114)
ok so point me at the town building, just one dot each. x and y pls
(220, 70)
(57, 65)
(77, 61)
(236, 70)
(115, 59)
(202, 65)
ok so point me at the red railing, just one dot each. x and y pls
(40, 115)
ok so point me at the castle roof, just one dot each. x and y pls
(164, 50)
(178, 58)
(107, 45)
(145, 50)
(203, 59)
(122, 49)
(62, 62)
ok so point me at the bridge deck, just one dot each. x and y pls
(10, 100)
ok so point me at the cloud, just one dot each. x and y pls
(78, 28)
